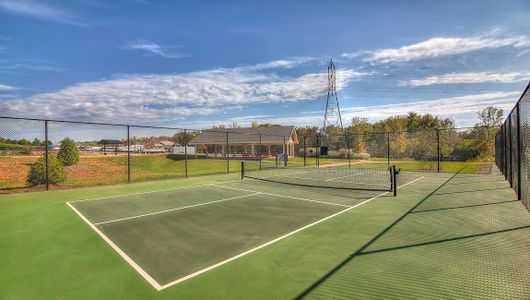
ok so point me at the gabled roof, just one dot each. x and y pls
(273, 134)
(166, 143)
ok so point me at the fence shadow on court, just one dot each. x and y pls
(439, 230)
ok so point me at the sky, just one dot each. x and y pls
(195, 64)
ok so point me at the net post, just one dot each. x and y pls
(305, 152)
(438, 149)
(243, 169)
(227, 156)
(186, 152)
(46, 154)
(285, 151)
(128, 154)
(388, 148)
(394, 181)
(518, 124)
(260, 154)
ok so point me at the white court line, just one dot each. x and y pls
(159, 287)
(155, 191)
(131, 262)
(172, 209)
(281, 196)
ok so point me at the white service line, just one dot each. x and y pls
(172, 209)
(282, 196)
(131, 262)
(155, 191)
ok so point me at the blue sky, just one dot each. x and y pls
(199, 63)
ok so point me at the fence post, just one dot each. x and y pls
(438, 148)
(519, 153)
(285, 151)
(388, 148)
(305, 152)
(317, 150)
(394, 181)
(506, 151)
(128, 154)
(46, 154)
(227, 156)
(510, 171)
(186, 152)
(348, 147)
(260, 152)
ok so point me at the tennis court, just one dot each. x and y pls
(169, 236)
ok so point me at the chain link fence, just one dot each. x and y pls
(512, 148)
(34, 154)
(468, 150)
(50, 154)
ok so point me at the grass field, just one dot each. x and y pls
(442, 237)
(102, 170)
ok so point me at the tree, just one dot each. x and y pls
(68, 154)
(254, 124)
(37, 172)
(183, 138)
(234, 125)
(490, 116)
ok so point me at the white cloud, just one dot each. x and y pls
(280, 64)
(154, 49)
(442, 46)
(39, 11)
(30, 67)
(469, 77)
(462, 109)
(4, 87)
(445, 107)
(166, 97)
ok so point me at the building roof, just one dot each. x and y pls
(166, 143)
(110, 142)
(270, 135)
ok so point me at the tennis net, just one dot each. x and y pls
(357, 178)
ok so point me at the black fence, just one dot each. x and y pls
(512, 148)
(34, 155)
(122, 153)
(467, 149)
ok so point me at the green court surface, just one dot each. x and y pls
(444, 236)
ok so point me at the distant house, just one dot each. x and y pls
(246, 141)
(165, 144)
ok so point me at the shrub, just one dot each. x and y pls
(68, 154)
(27, 150)
(37, 172)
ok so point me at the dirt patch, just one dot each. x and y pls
(13, 171)
(484, 169)
(96, 170)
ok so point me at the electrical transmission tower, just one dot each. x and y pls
(332, 115)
